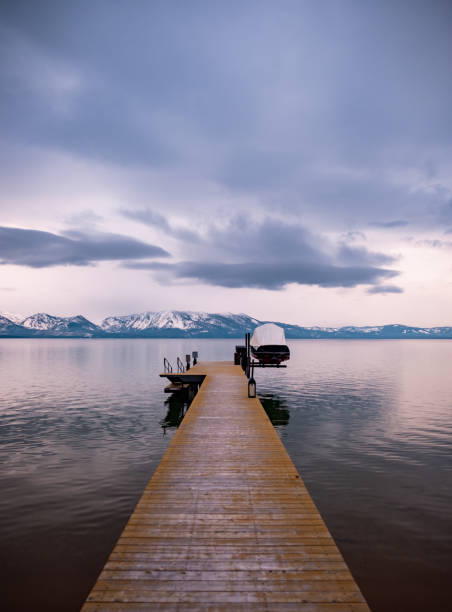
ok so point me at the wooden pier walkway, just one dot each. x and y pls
(225, 522)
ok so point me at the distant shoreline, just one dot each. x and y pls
(204, 337)
(190, 324)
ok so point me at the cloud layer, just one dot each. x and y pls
(270, 275)
(261, 144)
(384, 289)
(320, 111)
(37, 249)
(268, 255)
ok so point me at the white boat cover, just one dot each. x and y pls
(268, 334)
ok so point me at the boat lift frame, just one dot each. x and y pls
(243, 357)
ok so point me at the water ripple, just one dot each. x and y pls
(367, 423)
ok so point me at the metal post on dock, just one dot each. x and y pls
(248, 354)
(240, 356)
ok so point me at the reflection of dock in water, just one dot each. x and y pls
(179, 402)
(275, 409)
(225, 523)
(177, 405)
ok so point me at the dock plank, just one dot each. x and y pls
(226, 522)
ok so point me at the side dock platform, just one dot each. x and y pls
(225, 523)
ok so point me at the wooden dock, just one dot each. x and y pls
(225, 522)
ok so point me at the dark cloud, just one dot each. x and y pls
(389, 224)
(273, 239)
(244, 238)
(383, 289)
(271, 254)
(353, 236)
(269, 239)
(269, 275)
(351, 255)
(152, 218)
(148, 217)
(434, 243)
(39, 249)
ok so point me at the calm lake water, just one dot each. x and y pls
(368, 423)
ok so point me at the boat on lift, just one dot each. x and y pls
(268, 344)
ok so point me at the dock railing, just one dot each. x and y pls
(168, 368)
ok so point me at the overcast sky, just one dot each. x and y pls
(291, 159)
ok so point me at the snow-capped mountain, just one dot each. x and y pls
(41, 320)
(14, 317)
(67, 326)
(186, 324)
(178, 323)
(10, 329)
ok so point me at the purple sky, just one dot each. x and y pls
(291, 160)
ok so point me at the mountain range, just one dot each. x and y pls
(186, 324)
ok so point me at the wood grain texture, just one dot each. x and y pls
(226, 522)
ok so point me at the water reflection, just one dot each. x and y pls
(276, 408)
(177, 405)
(369, 428)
